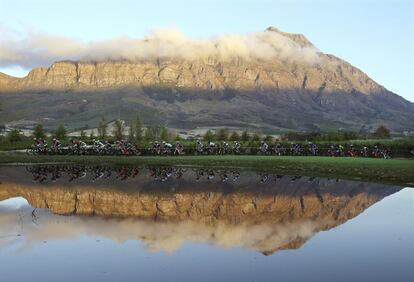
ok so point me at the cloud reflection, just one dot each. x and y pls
(156, 236)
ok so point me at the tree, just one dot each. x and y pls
(153, 132)
(149, 133)
(382, 132)
(222, 134)
(208, 136)
(14, 136)
(82, 134)
(245, 136)
(138, 128)
(256, 137)
(60, 132)
(268, 138)
(164, 134)
(235, 136)
(131, 133)
(92, 135)
(118, 129)
(39, 132)
(2, 127)
(103, 128)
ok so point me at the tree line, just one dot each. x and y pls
(382, 132)
(136, 130)
(138, 133)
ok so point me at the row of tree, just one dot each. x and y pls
(137, 133)
(381, 132)
(15, 135)
(223, 134)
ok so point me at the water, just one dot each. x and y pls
(68, 223)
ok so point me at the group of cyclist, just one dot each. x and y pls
(163, 148)
(79, 147)
(333, 150)
(222, 149)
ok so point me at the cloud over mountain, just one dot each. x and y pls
(33, 49)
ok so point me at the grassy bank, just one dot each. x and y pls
(394, 171)
(400, 148)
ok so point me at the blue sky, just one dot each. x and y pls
(376, 36)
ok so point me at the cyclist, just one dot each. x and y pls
(199, 147)
(263, 147)
(179, 148)
(236, 147)
(224, 148)
(314, 149)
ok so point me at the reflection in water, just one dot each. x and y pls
(157, 236)
(49, 173)
(165, 207)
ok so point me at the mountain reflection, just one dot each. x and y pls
(259, 212)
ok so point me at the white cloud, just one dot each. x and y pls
(33, 49)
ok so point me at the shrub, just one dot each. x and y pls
(382, 132)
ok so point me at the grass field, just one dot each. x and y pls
(393, 171)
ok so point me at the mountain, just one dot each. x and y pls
(305, 89)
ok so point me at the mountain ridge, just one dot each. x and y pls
(273, 72)
(214, 75)
(328, 91)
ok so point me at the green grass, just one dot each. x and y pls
(394, 171)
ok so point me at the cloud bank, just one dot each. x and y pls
(33, 49)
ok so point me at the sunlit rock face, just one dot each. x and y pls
(265, 217)
(214, 75)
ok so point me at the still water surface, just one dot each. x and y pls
(66, 223)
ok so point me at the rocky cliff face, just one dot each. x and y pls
(322, 88)
(330, 74)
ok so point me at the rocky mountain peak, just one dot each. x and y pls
(296, 37)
